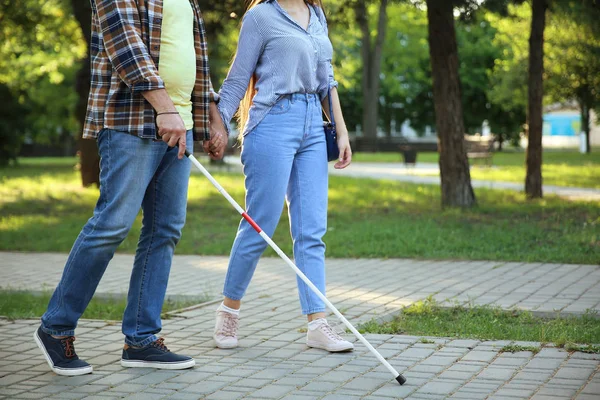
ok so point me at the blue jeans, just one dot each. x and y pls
(285, 157)
(134, 173)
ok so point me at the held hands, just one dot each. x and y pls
(215, 147)
(345, 151)
(172, 131)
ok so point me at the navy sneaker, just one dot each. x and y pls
(155, 355)
(60, 354)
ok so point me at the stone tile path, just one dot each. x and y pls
(274, 363)
(364, 287)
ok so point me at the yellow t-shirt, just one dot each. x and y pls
(177, 63)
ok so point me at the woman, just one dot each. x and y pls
(279, 82)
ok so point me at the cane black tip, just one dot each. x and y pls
(187, 153)
(401, 380)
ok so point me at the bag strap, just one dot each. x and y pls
(330, 105)
(316, 11)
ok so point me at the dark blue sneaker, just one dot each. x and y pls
(155, 355)
(60, 354)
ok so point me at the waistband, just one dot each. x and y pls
(303, 97)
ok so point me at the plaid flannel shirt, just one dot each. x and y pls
(124, 50)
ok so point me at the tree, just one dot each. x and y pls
(533, 177)
(371, 68)
(40, 45)
(454, 165)
(89, 158)
(406, 72)
(508, 77)
(574, 58)
(12, 115)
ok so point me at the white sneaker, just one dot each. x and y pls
(226, 330)
(322, 336)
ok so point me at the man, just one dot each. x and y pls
(150, 91)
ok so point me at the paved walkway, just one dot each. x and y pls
(274, 363)
(427, 173)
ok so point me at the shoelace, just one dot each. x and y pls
(330, 332)
(160, 344)
(230, 325)
(68, 346)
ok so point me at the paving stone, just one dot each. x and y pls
(363, 384)
(273, 391)
(298, 397)
(144, 396)
(439, 387)
(223, 395)
(586, 397)
(129, 388)
(271, 374)
(544, 363)
(12, 379)
(191, 377)
(336, 376)
(520, 393)
(501, 374)
(538, 396)
(533, 375)
(484, 356)
(190, 396)
(574, 373)
(466, 395)
(457, 375)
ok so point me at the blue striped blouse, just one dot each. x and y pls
(285, 58)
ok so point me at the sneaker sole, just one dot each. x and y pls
(318, 345)
(58, 370)
(158, 365)
(225, 346)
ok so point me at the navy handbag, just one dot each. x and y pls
(333, 151)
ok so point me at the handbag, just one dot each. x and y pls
(333, 151)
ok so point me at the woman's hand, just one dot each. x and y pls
(345, 151)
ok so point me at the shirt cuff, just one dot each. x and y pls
(332, 84)
(153, 83)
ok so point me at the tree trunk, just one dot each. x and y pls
(533, 178)
(371, 57)
(585, 124)
(454, 165)
(88, 150)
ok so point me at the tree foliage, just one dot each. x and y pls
(40, 46)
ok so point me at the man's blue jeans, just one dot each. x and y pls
(285, 157)
(134, 173)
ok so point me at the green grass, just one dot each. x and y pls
(427, 318)
(21, 305)
(43, 207)
(561, 168)
(515, 348)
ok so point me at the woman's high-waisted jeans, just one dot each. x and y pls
(285, 157)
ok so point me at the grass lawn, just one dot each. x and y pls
(43, 207)
(427, 318)
(22, 305)
(561, 168)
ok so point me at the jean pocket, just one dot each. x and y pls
(282, 106)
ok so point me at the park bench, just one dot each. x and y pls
(480, 147)
(477, 147)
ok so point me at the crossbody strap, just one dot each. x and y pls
(331, 116)
(330, 105)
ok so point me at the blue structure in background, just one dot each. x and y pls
(562, 124)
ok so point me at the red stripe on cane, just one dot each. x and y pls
(251, 222)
